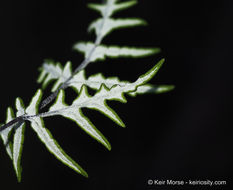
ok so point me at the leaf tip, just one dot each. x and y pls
(85, 174)
(158, 65)
(170, 87)
(123, 125)
(19, 179)
(109, 147)
(106, 143)
(155, 50)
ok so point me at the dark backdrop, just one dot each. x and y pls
(184, 134)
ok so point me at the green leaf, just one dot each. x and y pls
(98, 102)
(107, 89)
(45, 136)
(111, 7)
(74, 113)
(49, 72)
(18, 140)
(5, 134)
(155, 89)
(14, 148)
(104, 26)
(101, 52)
(95, 82)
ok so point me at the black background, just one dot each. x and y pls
(181, 135)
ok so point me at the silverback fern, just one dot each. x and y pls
(106, 89)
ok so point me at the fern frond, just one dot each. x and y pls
(45, 136)
(113, 8)
(51, 71)
(18, 139)
(154, 89)
(5, 135)
(95, 51)
(102, 52)
(106, 89)
(98, 102)
(37, 125)
(14, 148)
(103, 26)
(94, 81)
